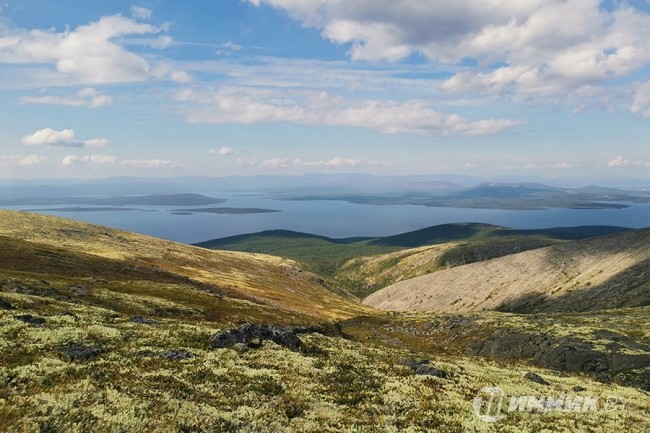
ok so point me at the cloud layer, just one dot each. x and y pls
(519, 46)
(113, 161)
(245, 105)
(88, 97)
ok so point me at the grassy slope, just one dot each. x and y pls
(120, 258)
(584, 275)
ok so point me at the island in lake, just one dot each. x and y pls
(223, 210)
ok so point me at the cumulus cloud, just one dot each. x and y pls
(222, 151)
(63, 138)
(112, 161)
(539, 46)
(232, 105)
(21, 160)
(88, 97)
(88, 54)
(618, 161)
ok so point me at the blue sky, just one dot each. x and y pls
(550, 88)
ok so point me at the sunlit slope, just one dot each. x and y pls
(606, 272)
(55, 247)
(365, 275)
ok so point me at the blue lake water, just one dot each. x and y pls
(338, 219)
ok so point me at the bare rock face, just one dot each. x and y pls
(253, 335)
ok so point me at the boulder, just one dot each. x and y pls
(78, 352)
(253, 335)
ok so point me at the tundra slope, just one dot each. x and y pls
(592, 274)
(104, 260)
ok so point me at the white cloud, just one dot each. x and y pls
(232, 105)
(141, 13)
(112, 161)
(618, 161)
(223, 151)
(63, 138)
(231, 46)
(87, 97)
(88, 54)
(21, 160)
(543, 46)
(562, 165)
(641, 101)
(181, 77)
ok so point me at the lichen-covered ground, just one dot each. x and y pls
(165, 377)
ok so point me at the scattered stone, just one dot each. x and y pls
(429, 370)
(413, 364)
(78, 352)
(79, 290)
(172, 355)
(32, 320)
(6, 305)
(253, 336)
(144, 321)
(578, 388)
(536, 378)
(423, 368)
(176, 355)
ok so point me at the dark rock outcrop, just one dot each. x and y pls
(534, 377)
(569, 353)
(429, 370)
(77, 352)
(423, 368)
(6, 305)
(172, 355)
(32, 320)
(253, 335)
(142, 320)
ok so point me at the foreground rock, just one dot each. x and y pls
(32, 320)
(77, 352)
(423, 368)
(253, 335)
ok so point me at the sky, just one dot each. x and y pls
(549, 88)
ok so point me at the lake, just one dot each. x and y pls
(337, 219)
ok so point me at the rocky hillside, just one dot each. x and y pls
(606, 272)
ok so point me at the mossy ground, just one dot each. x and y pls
(336, 385)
